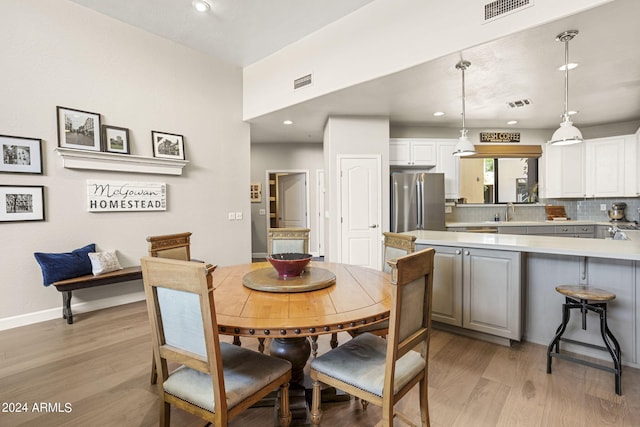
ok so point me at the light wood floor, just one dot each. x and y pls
(100, 366)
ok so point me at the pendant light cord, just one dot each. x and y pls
(566, 77)
(463, 96)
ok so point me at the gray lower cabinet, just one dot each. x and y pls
(478, 289)
(586, 231)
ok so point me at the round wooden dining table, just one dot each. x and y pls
(360, 296)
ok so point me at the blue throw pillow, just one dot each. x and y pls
(56, 267)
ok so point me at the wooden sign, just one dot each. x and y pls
(499, 136)
(126, 196)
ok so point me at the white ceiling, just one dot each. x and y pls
(605, 88)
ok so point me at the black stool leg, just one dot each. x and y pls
(612, 346)
(556, 340)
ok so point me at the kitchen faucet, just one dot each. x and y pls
(506, 210)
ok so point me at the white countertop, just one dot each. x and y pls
(523, 223)
(599, 248)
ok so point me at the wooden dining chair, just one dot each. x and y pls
(287, 240)
(172, 246)
(214, 380)
(382, 371)
(395, 245)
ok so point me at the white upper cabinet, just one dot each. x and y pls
(450, 166)
(565, 173)
(603, 167)
(412, 152)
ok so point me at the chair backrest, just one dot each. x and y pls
(395, 246)
(182, 314)
(410, 317)
(286, 240)
(172, 246)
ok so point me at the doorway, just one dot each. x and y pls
(288, 199)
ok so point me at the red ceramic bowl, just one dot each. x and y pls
(289, 264)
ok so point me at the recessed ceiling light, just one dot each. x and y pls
(202, 5)
(438, 113)
(287, 122)
(512, 122)
(570, 65)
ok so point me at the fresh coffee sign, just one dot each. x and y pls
(499, 136)
(113, 196)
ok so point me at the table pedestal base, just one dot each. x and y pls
(296, 351)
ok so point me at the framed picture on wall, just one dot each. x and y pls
(78, 129)
(256, 192)
(21, 203)
(167, 145)
(115, 139)
(20, 155)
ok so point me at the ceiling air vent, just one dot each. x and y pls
(301, 82)
(499, 8)
(520, 103)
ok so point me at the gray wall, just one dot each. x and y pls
(286, 156)
(60, 53)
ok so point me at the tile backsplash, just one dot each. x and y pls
(583, 210)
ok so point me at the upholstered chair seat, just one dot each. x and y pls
(245, 372)
(360, 362)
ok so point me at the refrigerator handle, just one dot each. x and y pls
(420, 202)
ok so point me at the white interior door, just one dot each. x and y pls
(360, 210)
(292, 200)
(320, 193)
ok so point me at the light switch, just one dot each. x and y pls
(232, 216)
(263, 211)
(238, 215)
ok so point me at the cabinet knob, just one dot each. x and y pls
(467, 253)
(458, 251)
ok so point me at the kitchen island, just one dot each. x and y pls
(503, 285)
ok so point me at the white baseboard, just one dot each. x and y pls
(81, 307)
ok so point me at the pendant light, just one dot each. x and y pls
(567, 133)
(464, 147)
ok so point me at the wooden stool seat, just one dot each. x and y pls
(585, 293)
(587, 299)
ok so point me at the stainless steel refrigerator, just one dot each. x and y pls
(417, 201)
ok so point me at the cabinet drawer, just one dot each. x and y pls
(512, 230)
(585, 229)
(540, 230)
(564, 229)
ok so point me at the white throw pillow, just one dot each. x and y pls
(104, 262)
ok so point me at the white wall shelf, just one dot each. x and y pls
(97, 160)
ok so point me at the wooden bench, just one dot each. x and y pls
(89, 281)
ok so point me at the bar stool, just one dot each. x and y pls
(586, 299)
